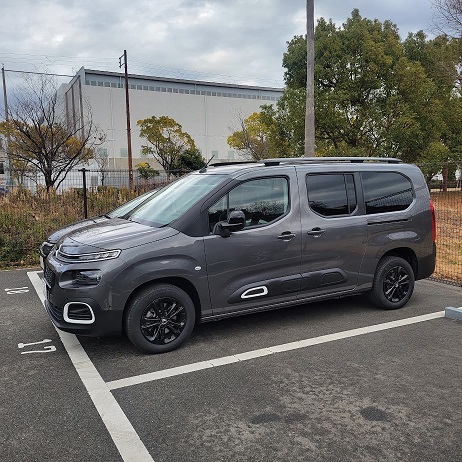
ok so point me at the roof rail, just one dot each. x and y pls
(309, 160)
(315, 160)
(234, 162)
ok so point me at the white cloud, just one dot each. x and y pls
(236, 40)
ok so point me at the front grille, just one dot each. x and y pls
(49, 276)
(55, 312)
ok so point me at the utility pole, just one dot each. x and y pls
(7, 143)
(309, 115)
(5, 99)
(129, 134)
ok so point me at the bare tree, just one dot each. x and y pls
(46, 133)
(102, 162)
(309, 116)
(449, 16)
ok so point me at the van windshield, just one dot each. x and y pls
(129, 206)
(175, 199)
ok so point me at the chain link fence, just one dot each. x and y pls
(448, 212)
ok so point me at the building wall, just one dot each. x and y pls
(206, 116)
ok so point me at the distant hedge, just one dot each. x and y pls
(26, 219)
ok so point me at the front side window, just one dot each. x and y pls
(331, 194)
(263, 201)
(386, 192)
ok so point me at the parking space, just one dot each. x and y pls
(44, 406)
(386, 396)
(241, 389)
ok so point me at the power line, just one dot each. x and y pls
(145, 67)
(38, 73)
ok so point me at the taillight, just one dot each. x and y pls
(433, 221)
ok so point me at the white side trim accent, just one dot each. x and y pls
(255, 292)
(78, 321)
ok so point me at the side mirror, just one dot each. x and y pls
(236, 222)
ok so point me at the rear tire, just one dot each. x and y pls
(160, 318)
(393, 283)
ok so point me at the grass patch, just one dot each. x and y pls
(27, 219)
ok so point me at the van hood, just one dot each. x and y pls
(57, 235)
(112, 234)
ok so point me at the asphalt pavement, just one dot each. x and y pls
(331, 381)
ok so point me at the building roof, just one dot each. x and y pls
(107, 78)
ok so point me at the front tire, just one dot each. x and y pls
(393, 283)
(160, 318)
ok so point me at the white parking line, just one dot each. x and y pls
(152, 376)
(119, 427)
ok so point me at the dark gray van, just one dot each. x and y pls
(239, 238)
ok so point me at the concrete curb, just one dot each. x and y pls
(454, 313)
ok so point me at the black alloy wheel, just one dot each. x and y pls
(160, 318)
(163, 320)
(393, 283)
(396, 284)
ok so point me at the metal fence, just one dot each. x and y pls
(96, 191)
(28, 212)
(448, 212)
(11, 180)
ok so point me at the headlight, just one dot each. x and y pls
(94, 256)
(108, 255)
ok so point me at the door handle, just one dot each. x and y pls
(316, 232)
(286, 236)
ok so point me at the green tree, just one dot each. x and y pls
(289, 123)
(441, 58)
(167, 141)
(374, 94)
(434, 156)
(254, 138)
(354, 70)
(145, 171)
(189, 160)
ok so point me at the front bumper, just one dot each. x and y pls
(103, 323)
(82, 310)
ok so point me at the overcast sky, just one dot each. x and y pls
(240, 41)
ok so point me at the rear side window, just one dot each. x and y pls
(331, 194)
(386, 192)
(262, 200)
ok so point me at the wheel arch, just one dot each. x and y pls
(180, 282)
(406, 254)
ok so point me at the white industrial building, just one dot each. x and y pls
(208, 112)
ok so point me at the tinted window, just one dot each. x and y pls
(331, 194)
(262, 201)
(386, 192)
